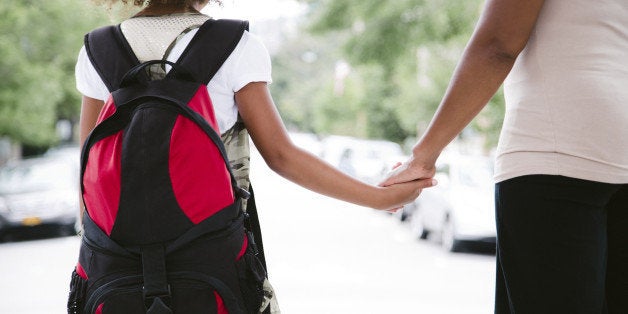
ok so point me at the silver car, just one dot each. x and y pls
(461, 208)
(40, 191)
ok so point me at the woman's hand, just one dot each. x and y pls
(392, 198)
(413, 169)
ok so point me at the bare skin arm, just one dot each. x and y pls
(90, 109)
(297, 165)
(501, 34)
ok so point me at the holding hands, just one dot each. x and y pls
(414, 171)
(415, 168)
(396, 195)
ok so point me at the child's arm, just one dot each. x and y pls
(297, 165)
(90, 109)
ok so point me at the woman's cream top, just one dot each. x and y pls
(567, 95)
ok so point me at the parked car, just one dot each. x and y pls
(461, 208)
(367, 160)
(40, 191)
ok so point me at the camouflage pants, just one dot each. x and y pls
(236, 142)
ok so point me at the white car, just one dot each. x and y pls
(461, 208)
(40, 191)
(367, 160)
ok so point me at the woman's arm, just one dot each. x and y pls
(295, 164)
(500, 35)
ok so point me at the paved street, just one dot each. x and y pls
(324, 256)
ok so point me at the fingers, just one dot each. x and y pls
(425, 183)
(397, 175)
(393, 210)
(409, 191)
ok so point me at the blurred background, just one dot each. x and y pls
(356, 82)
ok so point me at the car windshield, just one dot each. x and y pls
(35, 176)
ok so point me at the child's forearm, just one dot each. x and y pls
(309, 171)
(273, 142)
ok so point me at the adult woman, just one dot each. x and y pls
(562, 160)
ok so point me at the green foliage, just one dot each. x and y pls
(311, 98)
(383, 31)
(39, 44)
(302, 71)
(402, 54)
(340, 113)
(379, 103)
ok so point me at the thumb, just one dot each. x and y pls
(424, 183)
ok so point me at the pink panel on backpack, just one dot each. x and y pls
(108, 110)
(199, 177)
(102, 181)
(81, 271)
(99, 308)
(220, 305)
(202, 104)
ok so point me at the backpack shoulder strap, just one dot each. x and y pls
(211, 46)
(110, 54)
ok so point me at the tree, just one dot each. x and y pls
(39, 44)
(384, 31)
(409, 48)
(303, 72)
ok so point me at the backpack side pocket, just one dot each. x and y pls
(251, 274)
(78, 290)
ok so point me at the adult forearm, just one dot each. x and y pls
(479, 74)
(503, 31)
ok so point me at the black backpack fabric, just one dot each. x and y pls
(164, 231)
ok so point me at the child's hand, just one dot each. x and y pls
(393, 197)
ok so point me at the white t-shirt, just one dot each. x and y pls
(249, 62)
(567, 95)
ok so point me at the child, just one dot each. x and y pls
(241, 102)
(239, 87)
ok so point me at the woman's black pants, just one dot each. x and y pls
(562, 246)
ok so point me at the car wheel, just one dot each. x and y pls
(448, 236)
(401, 215)
(417, 227)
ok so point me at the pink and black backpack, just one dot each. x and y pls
(164, 231)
